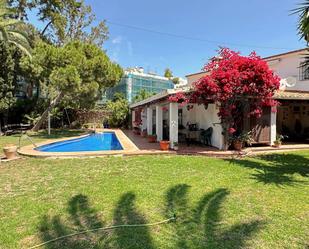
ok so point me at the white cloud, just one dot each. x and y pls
(117, 40)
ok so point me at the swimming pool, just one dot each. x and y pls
(93, 142)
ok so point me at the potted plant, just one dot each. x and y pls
(144, 133)
(9, 151)
(164, 144)
(136, 131)
(238, 141)
(175, 145)
(152, 138)
(278, 141)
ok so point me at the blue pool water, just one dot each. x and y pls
(92, 142)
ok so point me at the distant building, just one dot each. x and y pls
(134, 80)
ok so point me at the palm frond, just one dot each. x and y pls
(8, 22)
(23, 48)
(18, 35)
(303, 21)
(4, 34)
(9, 30)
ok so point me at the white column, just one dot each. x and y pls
(149, 121)
(273, 126)
(144, 120)
(173, 112)
(159, 123)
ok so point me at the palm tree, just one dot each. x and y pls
(9, 29)
(303, 23)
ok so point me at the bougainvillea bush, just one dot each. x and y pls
(241, 85)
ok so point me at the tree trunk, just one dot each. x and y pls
(44, 116)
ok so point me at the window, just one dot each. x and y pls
(304, 71)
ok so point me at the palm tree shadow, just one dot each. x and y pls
(199, 227)
(217, 237)
(82, 217)
(177, 203)
(127, 213)
(278, 169)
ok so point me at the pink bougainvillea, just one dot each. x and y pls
(242, 85)
(164, 108)
(179, 97)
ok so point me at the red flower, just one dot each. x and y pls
(232, 78)
(179, 97)
(232, 130)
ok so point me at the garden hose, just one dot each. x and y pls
(173, 218)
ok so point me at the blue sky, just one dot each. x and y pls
(252, 23)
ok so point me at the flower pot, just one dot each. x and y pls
(10, 151)
(152, 138)
(277, 144)
(164, 145)
(136, 131)
(237, 145)
(175, 147)
(144, 133)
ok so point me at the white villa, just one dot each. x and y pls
(173, 122)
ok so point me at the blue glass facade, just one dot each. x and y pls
(131, 84)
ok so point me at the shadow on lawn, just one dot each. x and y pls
(199, 227)
(83, 217)
(277, 169)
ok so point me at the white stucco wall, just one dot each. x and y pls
(288, 66)
(205, 119)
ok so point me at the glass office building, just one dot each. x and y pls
(133, 81)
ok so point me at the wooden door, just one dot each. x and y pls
(260, 127)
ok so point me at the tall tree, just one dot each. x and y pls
(7, 87)
(10, 75)
(10, 29)
(74, 74)
(21, 7)
(168, 73)
(66, 20)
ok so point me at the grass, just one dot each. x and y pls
(260, 202)
(38, 136)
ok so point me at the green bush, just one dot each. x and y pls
(119, 112)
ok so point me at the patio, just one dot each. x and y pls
(134, 144)
(144, 148)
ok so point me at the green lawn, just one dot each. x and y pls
(260, 202)
(38, 136)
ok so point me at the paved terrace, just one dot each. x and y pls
(144, 147)
(137, 145)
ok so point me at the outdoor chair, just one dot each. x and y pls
(206, 136)
(7, 130)
(15, 128)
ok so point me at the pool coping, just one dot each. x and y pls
(127, 145)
